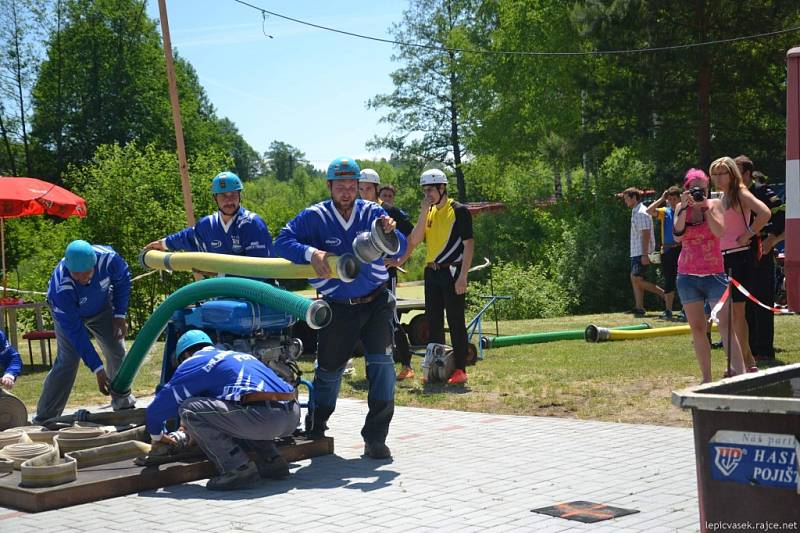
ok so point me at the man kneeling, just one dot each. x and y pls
(229, 403)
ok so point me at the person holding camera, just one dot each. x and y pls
(738, 204)
(699, 224)
(643, 243)
(670, 248)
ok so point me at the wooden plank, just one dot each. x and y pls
(118, 479)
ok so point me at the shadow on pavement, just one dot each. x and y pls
(325, 472)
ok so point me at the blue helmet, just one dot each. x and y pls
(193, 337)
(80, 256)
(343, 168)
(226, 182)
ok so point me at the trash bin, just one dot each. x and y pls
(746, 431)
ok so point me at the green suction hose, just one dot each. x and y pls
(316, 313)
(535, 338)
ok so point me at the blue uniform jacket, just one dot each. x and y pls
(247, 234)
(71, 302)
(321, 227)
(211, 373)
(10, 361)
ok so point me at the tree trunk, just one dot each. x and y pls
(19, 82)
(557, 182)
(456, 142)
(7, 143)
(569, 180)
(703, 130)
(59, 96)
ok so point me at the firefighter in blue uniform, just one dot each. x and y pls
(232, 230)
(362, 309)
(88, 292)
(10, 363)
(228, 403)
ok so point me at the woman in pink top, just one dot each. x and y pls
(739, 203)
(698, 226)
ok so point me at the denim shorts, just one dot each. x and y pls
(707, 289)
(637, 268)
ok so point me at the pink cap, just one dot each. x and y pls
(694, 174)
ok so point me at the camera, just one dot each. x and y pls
(698, 194)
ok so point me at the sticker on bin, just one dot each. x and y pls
(767, 459)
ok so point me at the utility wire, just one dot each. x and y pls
(520, 53)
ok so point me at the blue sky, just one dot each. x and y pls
(305, 86)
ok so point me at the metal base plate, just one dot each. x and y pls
(117, 479)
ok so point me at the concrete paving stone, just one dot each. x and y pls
(519, 463)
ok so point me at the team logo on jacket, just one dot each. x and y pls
(333, 241)
(216, 244)
(728, 458)
(83, 300)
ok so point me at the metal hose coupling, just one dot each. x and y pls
(347, 266)
(375, 243)
(596, 333)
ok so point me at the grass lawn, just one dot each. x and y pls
(622, 381)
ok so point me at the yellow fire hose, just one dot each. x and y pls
(345, 267)
(599, 334)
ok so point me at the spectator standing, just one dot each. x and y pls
(670, 248)
(761, 322)
(738, 204)
(699, 224)
(642, 243)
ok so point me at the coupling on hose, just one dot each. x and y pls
(596, 333)
(348, 267)
(375, 243)
(319, 314)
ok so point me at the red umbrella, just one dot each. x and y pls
(20, 197)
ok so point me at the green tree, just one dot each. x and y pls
(282, 159)
(528, 106)
(685, 107)
(18, 64)
(427, 106)
(103, 82)
(144, 186)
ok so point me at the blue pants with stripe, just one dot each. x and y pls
(372, 323)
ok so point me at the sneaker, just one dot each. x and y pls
(275, 468)
(639, 313)
(666, 315)
(752, 369)
(682, 316)
(717, 345)
(459, 376)
(406, 373)
(349, 369)
(244, 476)
(377, 450)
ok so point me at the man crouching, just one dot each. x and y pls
(228, 403)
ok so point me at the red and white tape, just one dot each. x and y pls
(740, 287)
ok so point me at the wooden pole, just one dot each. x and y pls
(176, 114)
(3, 245)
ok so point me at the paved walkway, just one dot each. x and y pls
(452, 471)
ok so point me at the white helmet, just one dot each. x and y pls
(370, 176)
(433, 176)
